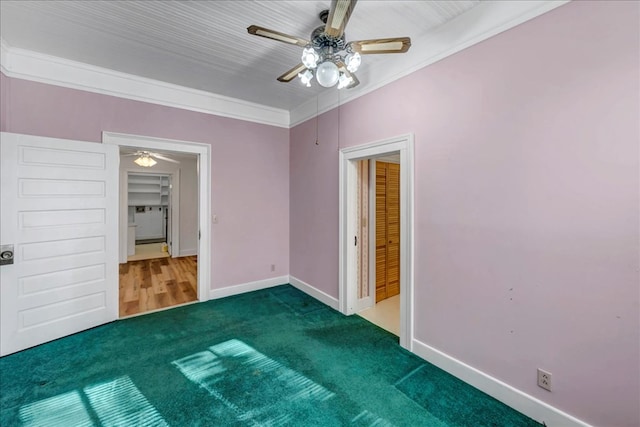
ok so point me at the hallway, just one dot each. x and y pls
(157, 283)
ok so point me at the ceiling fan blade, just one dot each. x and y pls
(161, 157)
(130, 154)
(292, 73)
(339, 16)
(354, 80)
(393, 45)
(276, 35)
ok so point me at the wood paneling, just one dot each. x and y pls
(387, 230)
(157, 283)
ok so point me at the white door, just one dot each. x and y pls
(59, 209)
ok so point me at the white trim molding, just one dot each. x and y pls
(38, 67)
(4, 57)
(483, 21)
(347, 222)
(314, 292)
(242, 288)
(203, 151)
(528, 405)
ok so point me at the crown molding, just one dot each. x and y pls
(38, 67)
(486, 20)
(4, 59)
(489, 18)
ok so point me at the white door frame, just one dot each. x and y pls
(174, 202)
(347, 298)
(204, 192)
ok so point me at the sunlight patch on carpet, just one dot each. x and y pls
(369, 419)
(116, 403)
(63, 410)
(120, 403)
(256, 388)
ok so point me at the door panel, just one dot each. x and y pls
(59, 210)
(393, 229)
(381, 274)
(381, 231)
(387, 230)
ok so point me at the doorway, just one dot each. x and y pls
(155, 274)
(379, 220)
(167, 279)
(351, 300)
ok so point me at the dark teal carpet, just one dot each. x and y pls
(274, 357)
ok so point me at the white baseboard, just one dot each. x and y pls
(316, 293)
(247, 287)
(510, 396)
(188, 252)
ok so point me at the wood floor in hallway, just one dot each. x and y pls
(157, 283)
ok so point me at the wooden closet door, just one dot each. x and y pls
(387, 230)
(393, 229)
(381, 231)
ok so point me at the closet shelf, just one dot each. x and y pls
(148, 190)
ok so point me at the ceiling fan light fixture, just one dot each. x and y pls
(353, 61)
(310, 57)
(344, 81)
(145, 161)
(326, 53)
(327, 74)
(306, 77)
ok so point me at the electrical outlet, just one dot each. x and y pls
(273, 267)
(544, 379)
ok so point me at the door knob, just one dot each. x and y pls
(6, 254)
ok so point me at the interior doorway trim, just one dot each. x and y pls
(204, 192)
(347, 298)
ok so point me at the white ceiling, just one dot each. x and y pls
(205, 45)
(197, 55)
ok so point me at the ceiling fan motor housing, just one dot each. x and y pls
(325, 43)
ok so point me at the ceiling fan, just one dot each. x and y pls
(327, 55)
(147, 158)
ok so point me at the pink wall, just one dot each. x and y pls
(314, 214)
(249, 167)
(4, 97)
(526, 204)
